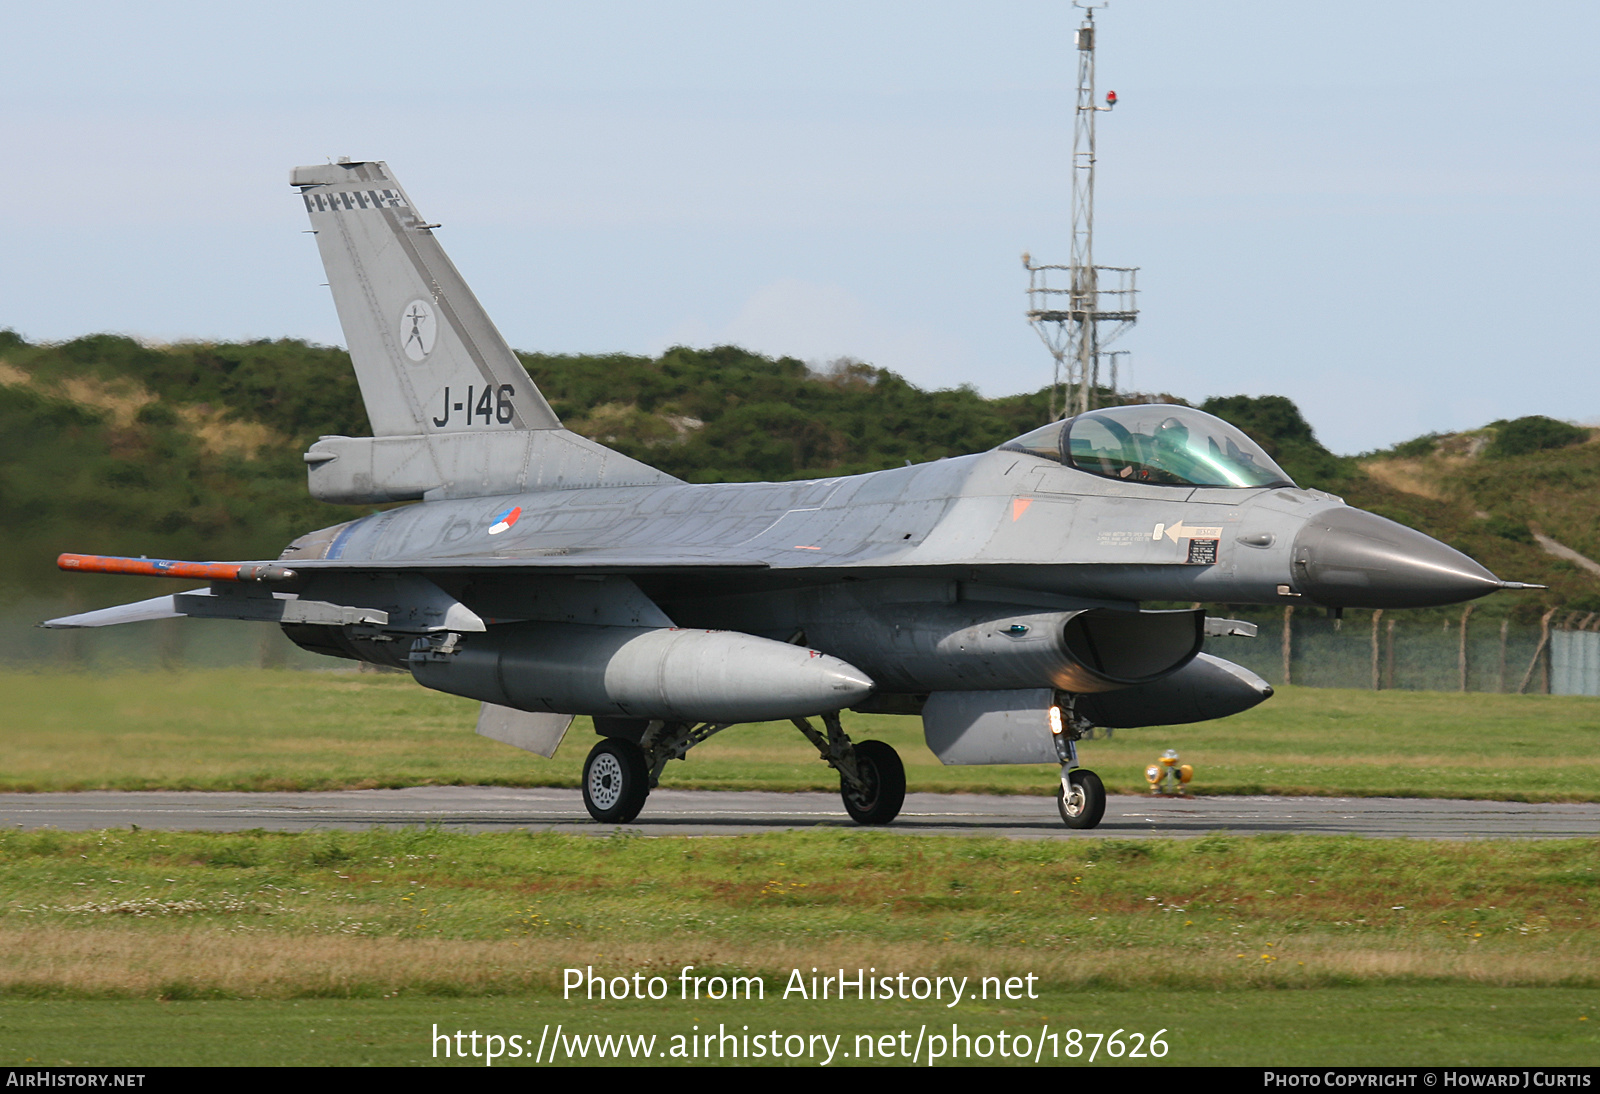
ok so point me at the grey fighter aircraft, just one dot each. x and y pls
(996, 595)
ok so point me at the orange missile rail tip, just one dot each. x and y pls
(162, 567)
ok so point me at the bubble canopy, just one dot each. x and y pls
(1154, 443)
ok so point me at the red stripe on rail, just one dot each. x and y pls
(150, 567)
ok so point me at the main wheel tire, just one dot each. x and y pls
(1085, 803)
(616, 781)
(880, 768)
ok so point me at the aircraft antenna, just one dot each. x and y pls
(1079, 309)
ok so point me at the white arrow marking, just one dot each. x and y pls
(1186, 531)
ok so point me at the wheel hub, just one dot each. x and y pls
(605, 781)
(1074, 801)
(867, 793)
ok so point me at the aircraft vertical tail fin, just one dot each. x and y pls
(453, 412)
(428, 358)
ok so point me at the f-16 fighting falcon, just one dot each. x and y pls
(997, 595)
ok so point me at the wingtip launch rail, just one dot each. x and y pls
(187, 571)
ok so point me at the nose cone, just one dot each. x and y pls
(1351, 558)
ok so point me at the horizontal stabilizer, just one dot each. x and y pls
(277, 608)
(157, 607)
(202, 604)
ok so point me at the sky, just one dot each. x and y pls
(1386, 212)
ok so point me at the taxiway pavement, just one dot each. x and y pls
(725, 813)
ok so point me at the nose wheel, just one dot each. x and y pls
(1081, 799)
(616, 781)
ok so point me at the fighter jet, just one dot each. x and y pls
(996, 595)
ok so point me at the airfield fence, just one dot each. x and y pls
(1377, 650)
(1406, 651)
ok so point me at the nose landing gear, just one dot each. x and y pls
(1081, 800)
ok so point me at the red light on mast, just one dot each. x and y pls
(1111, 98)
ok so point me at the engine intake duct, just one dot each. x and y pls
(924, 647)
(673, 674)
(1206, 688)
(1127, 648)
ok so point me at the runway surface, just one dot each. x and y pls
(720, 813)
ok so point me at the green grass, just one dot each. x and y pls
(143, 948)
(375, 913)
(1416, 1026)
(278, 730)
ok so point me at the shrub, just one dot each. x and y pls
(1506, 528)
(1533, 434)
(1416, 447)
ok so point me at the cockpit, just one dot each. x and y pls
(1154, 443)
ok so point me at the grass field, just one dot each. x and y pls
(133, 947)
(345, 947)
(265, 730)
(1419, 1025)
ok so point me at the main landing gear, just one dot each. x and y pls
(616, 781)
(872, 779)
(619, 773)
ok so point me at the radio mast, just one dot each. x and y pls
(1079, 309)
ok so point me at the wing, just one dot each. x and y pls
(409, 599)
